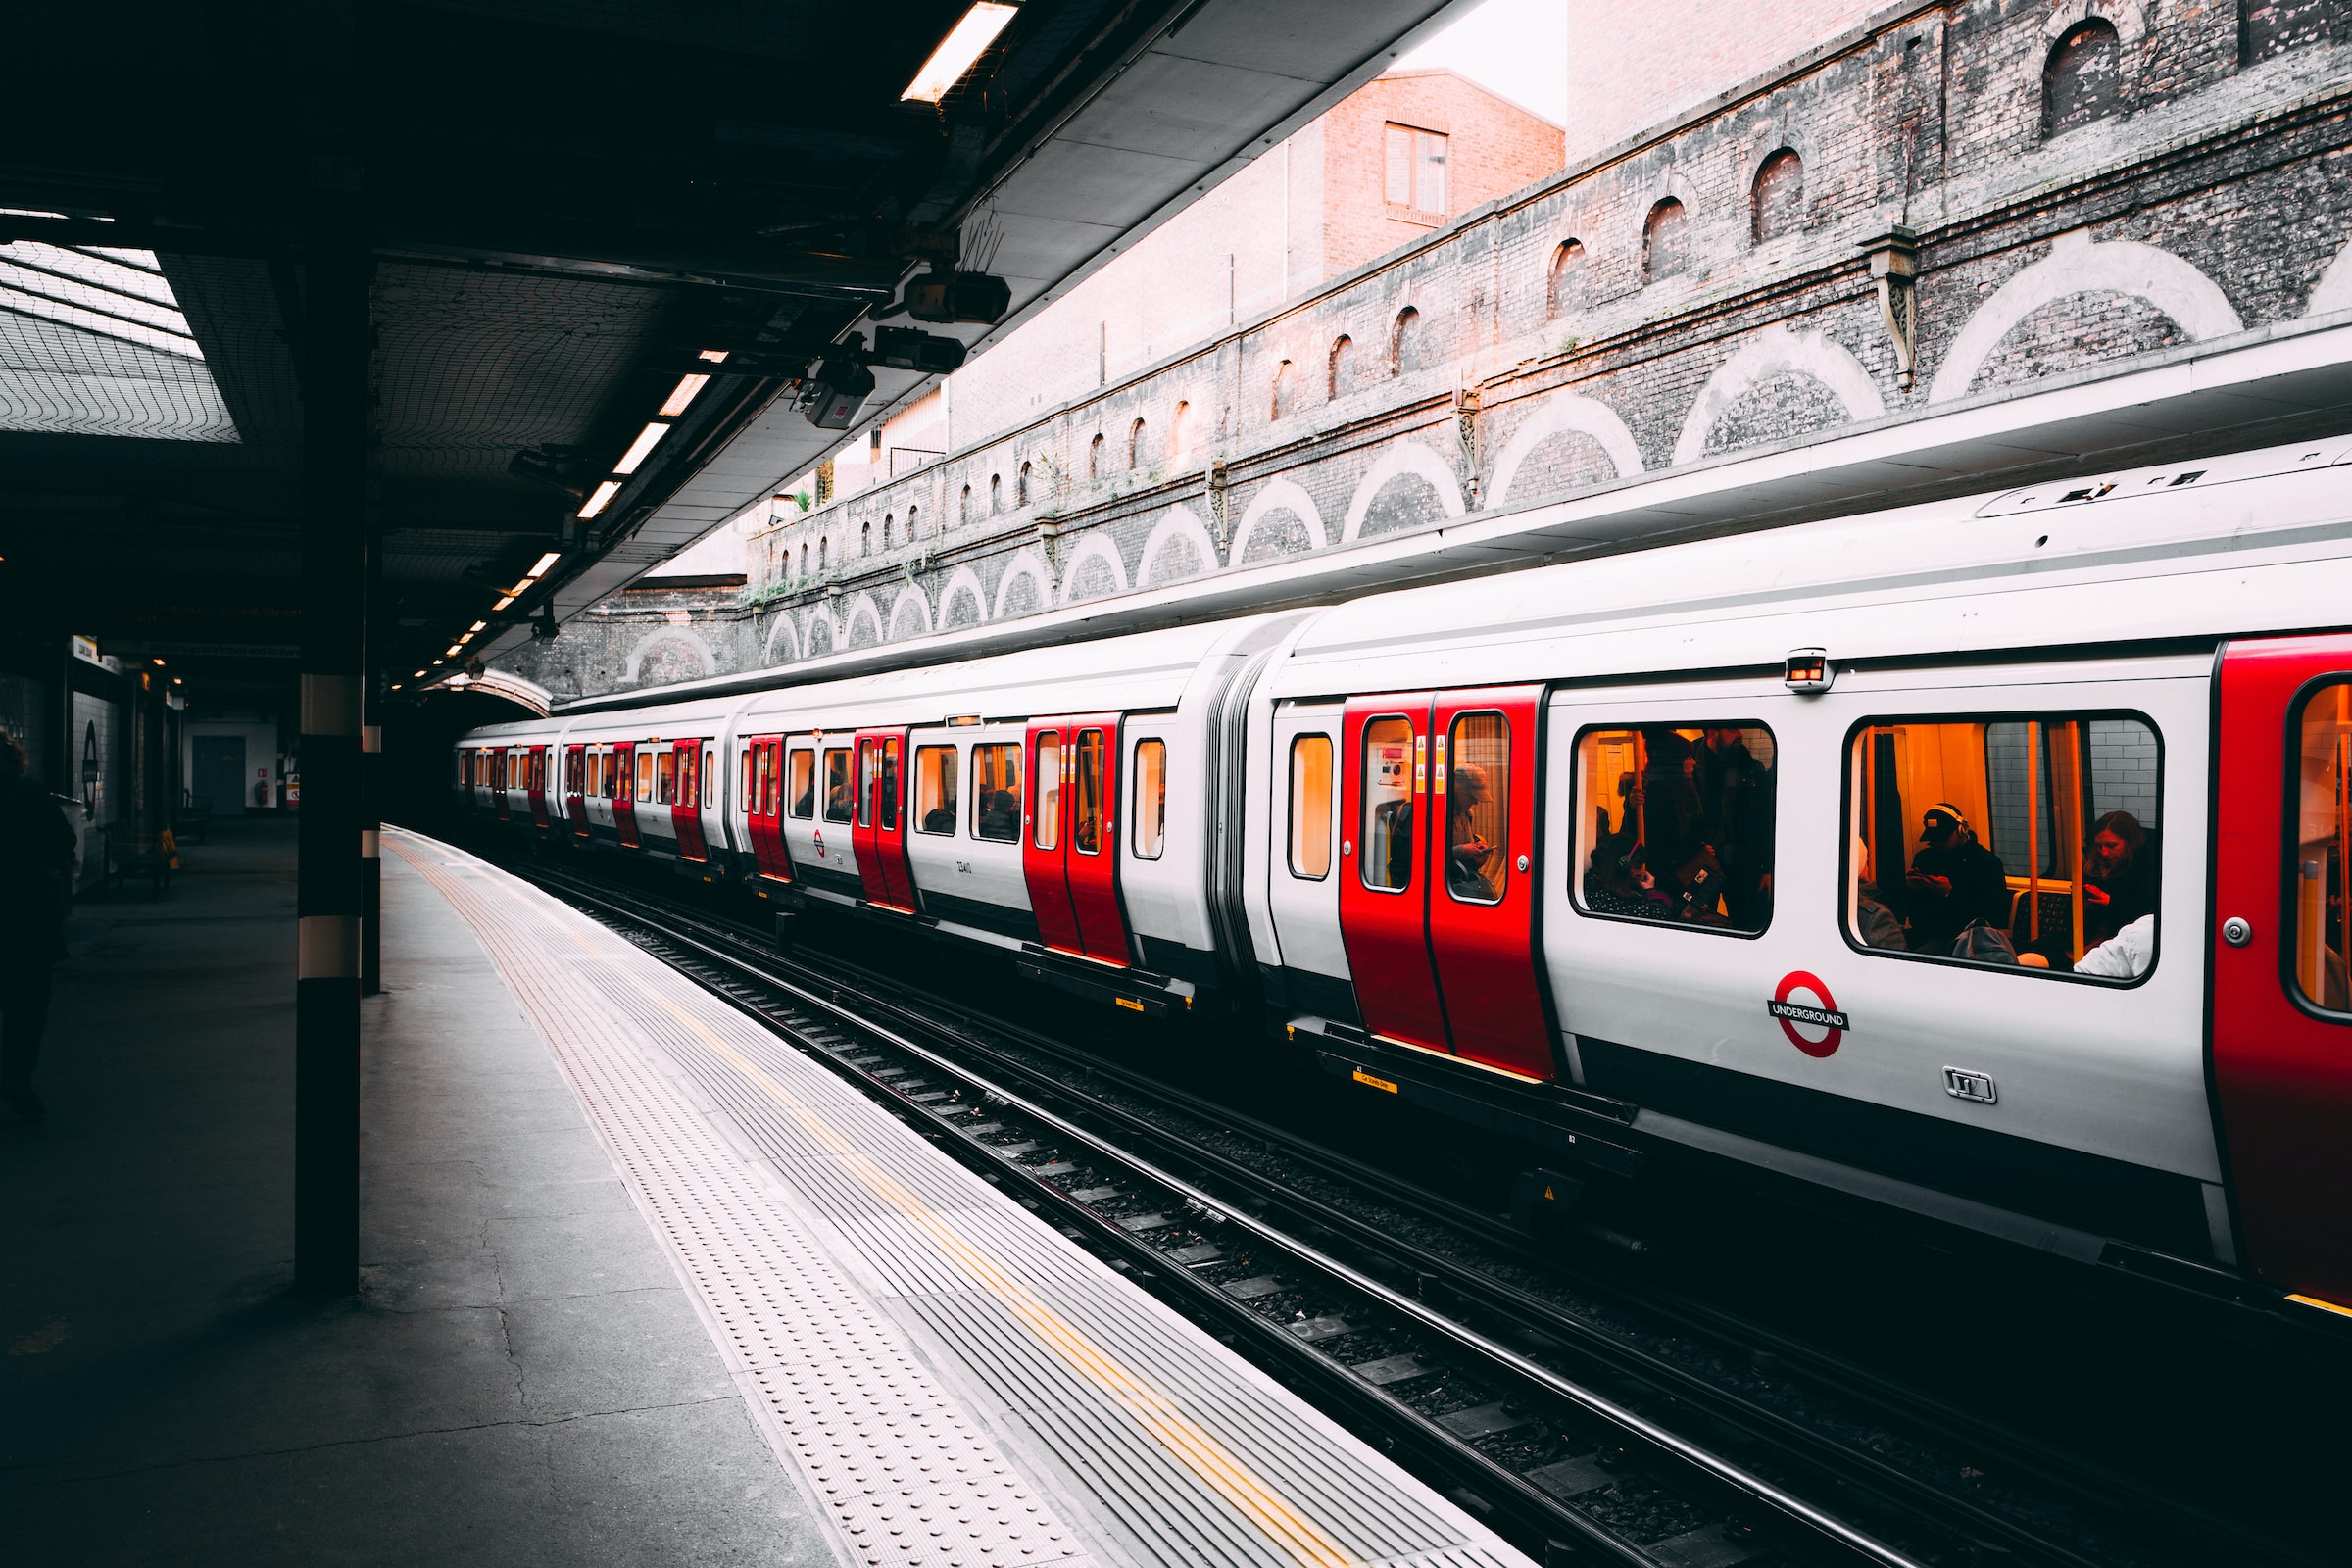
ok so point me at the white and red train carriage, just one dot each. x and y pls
(1624, 859)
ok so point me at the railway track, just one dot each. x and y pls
(1567, 1434)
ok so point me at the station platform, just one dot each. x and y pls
(642, 1284)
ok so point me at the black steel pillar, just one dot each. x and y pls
(373, 623)
(327, 1007)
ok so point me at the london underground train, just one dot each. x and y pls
(1984, 859)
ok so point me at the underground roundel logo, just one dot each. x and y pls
(821, 842)
(1802, 1001)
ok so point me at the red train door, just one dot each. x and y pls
(624, 794)
(1383, 866)
(686, 808)
(763, 807)
(1045, 832)
(537, 780)
(2281, 1019)
(880, 830)
(1482, 885)
(575, 775)
(502, 773)
(1092, 864)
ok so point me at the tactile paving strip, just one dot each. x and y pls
(1198, 1457)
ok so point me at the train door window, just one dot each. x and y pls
(757, 785)
(841, 795)
(665, 779)
(1087, 805)
(1048, 790)
(1388, 826)
(2321, 873)
(879, 785)
(804, 783)
(1474, 774)
(870, 753)
(1151, 806)
(690, 788)
(1675, 822)
(996, 792)
(2022, 842)
(935, 789)
(1310, 806)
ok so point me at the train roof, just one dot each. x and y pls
(2251, 542)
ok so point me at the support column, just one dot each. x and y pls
(327, 1007)
(373, 623)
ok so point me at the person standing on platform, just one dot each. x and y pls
(36, 856)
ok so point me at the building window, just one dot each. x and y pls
(1779, 196)
(803, 558)
(1176, 429)
(912, 514)
(2266, 28)
(1407, 350)
(1662, 241)
(2082, 81)
(889, 530)
(996, 494)
(1094, 457)
(1416, 169)
(1135, 446)
(1282, 390)
(1342, 375)
(964, 511)
(824, 552)
(1020, 486)
(865, 538)
(1564, 289)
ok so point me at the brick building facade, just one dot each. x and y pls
(2089, 183)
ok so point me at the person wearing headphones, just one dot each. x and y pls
(1953, 881)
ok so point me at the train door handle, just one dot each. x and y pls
(2236, 931)
(1347, 845)
(1522, 863)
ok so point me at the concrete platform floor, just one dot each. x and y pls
(522, 1379)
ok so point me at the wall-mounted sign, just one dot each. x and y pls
(86, 648)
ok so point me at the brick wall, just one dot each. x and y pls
(1632, 67)
(2206, 207)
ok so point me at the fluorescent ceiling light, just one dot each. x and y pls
(715, 355)
(476, 626)
(545, 562)
(451, 651)
(687, 387)
(646, 440)
(956, 52)
(602, 499)
(420, 674)
(503, 602)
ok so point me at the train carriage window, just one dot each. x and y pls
(1386, 862)
(1474, 774)
(1151, 806)
(1087, 805)
(840, 795)
(935, 789)
(644, 776)
(2025, 842)
(996, 792)
(1048, 833)
(665, 779)
(710, 772)
(2322, 844)
(1310, 806)
(750, 776)
(804, 783)
(1675, 822)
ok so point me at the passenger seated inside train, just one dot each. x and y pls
(1681, 825)
(1875, 922)
(2004, 872)
(1000, 818)
(841, 797)
(804, 779)
(1473, 865)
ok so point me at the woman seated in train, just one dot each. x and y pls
(1877, 924)
(1467, 852)
(2119, 875)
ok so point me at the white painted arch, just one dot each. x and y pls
(865, 610)
(1776, 351)
(1030, 564)
(964, 581)
(1094, 547)
(784, 632)
(1566, 414)
(1279, 495)
(1401, 457)
(2333, 291)
(2077, 264)
(821, 619)
(1178, 524)
(910, 599)
(672, 633)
